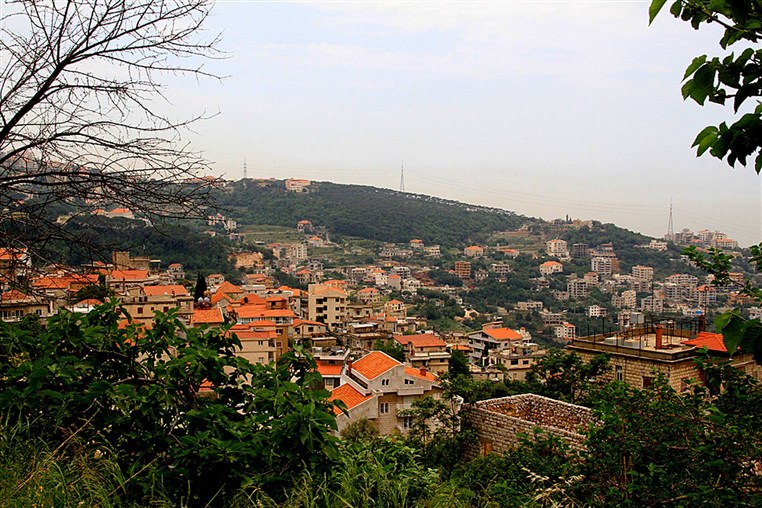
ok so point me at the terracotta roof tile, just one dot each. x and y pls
(208, 316)
(174, 289)
(712, 341)
(374, 364)
(502, 334)
(410, 371)
(420, 340)
(349, 396)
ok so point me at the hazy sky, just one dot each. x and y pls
(546, 108)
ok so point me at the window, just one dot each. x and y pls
(140, 310)
(407, 422)
(619, 373)
(409, 381)
(514, 362)
(385, 382)
(647, 381)
(525, 362)
(383, 407)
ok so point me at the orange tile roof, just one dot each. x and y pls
(208, 316)
(712, 341)
(229, 287)
(349, 396)
(460, 347)
(374, 364)
(502, 334)
(63, 282)
(420, 340)
(550, 263)
(129, 274)
(329, 370)
(410, 371)
(174, 289)
(254, 311)
(13, 296)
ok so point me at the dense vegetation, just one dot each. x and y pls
(365, 212)
(97, 414)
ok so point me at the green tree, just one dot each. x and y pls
(565, 376)
(738, 332)
(176, 406)
(719, 79)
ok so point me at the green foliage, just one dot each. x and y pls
(736, 77)
(458, 364)
(657, 447)
(392, 348)
(136, 392)
(738, 333)
(350, 209)
(563, 375)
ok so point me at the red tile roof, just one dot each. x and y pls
(129, 274)
(208, 316)
(410, 371)
(174, 289)
(349, 396)
(374, 364)
(502, 334)
(329, 370)
(420, 340)
(712, 341)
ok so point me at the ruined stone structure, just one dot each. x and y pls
(499, 422)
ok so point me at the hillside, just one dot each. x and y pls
(365, 212)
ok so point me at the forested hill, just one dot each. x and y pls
(366, 212)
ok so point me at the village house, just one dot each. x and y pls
(492, 336)
(379, 388)
(425, 350)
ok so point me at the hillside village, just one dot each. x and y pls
(382, 332)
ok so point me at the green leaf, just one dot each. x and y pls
(705, 139)
(732, 326)
(695, 64)
(654, 9)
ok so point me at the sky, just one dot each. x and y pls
(545, 108)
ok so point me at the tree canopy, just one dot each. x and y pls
(736, 77)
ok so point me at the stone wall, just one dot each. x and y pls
(499, 422)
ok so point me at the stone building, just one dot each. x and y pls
(499, 423)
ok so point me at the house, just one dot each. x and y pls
(143, 302)
(639, 353)
(425, 350)
(259, 342)
(488, 338)
(297, 185)
(207, 316)
(551, 267)
(369, 295)
(473, 251)
(463, 269)
(395, 308)
(380, 388)
(14, 305)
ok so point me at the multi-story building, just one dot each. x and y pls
(601, 265)
(566, 331)
(326, 304)
(463, 269)
(557, 248)
(490, 337)
(577, 288)
(644, 273)
(595, 311)
(425, 350)
(297, 185)
(652, 304)
(580, 250)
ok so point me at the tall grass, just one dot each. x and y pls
(35, 474)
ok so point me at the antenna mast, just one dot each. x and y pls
(402, 177)
(245, 176)
(670, 237)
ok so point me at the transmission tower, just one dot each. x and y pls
(402, 177)
(245, 176)
(670, 229)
